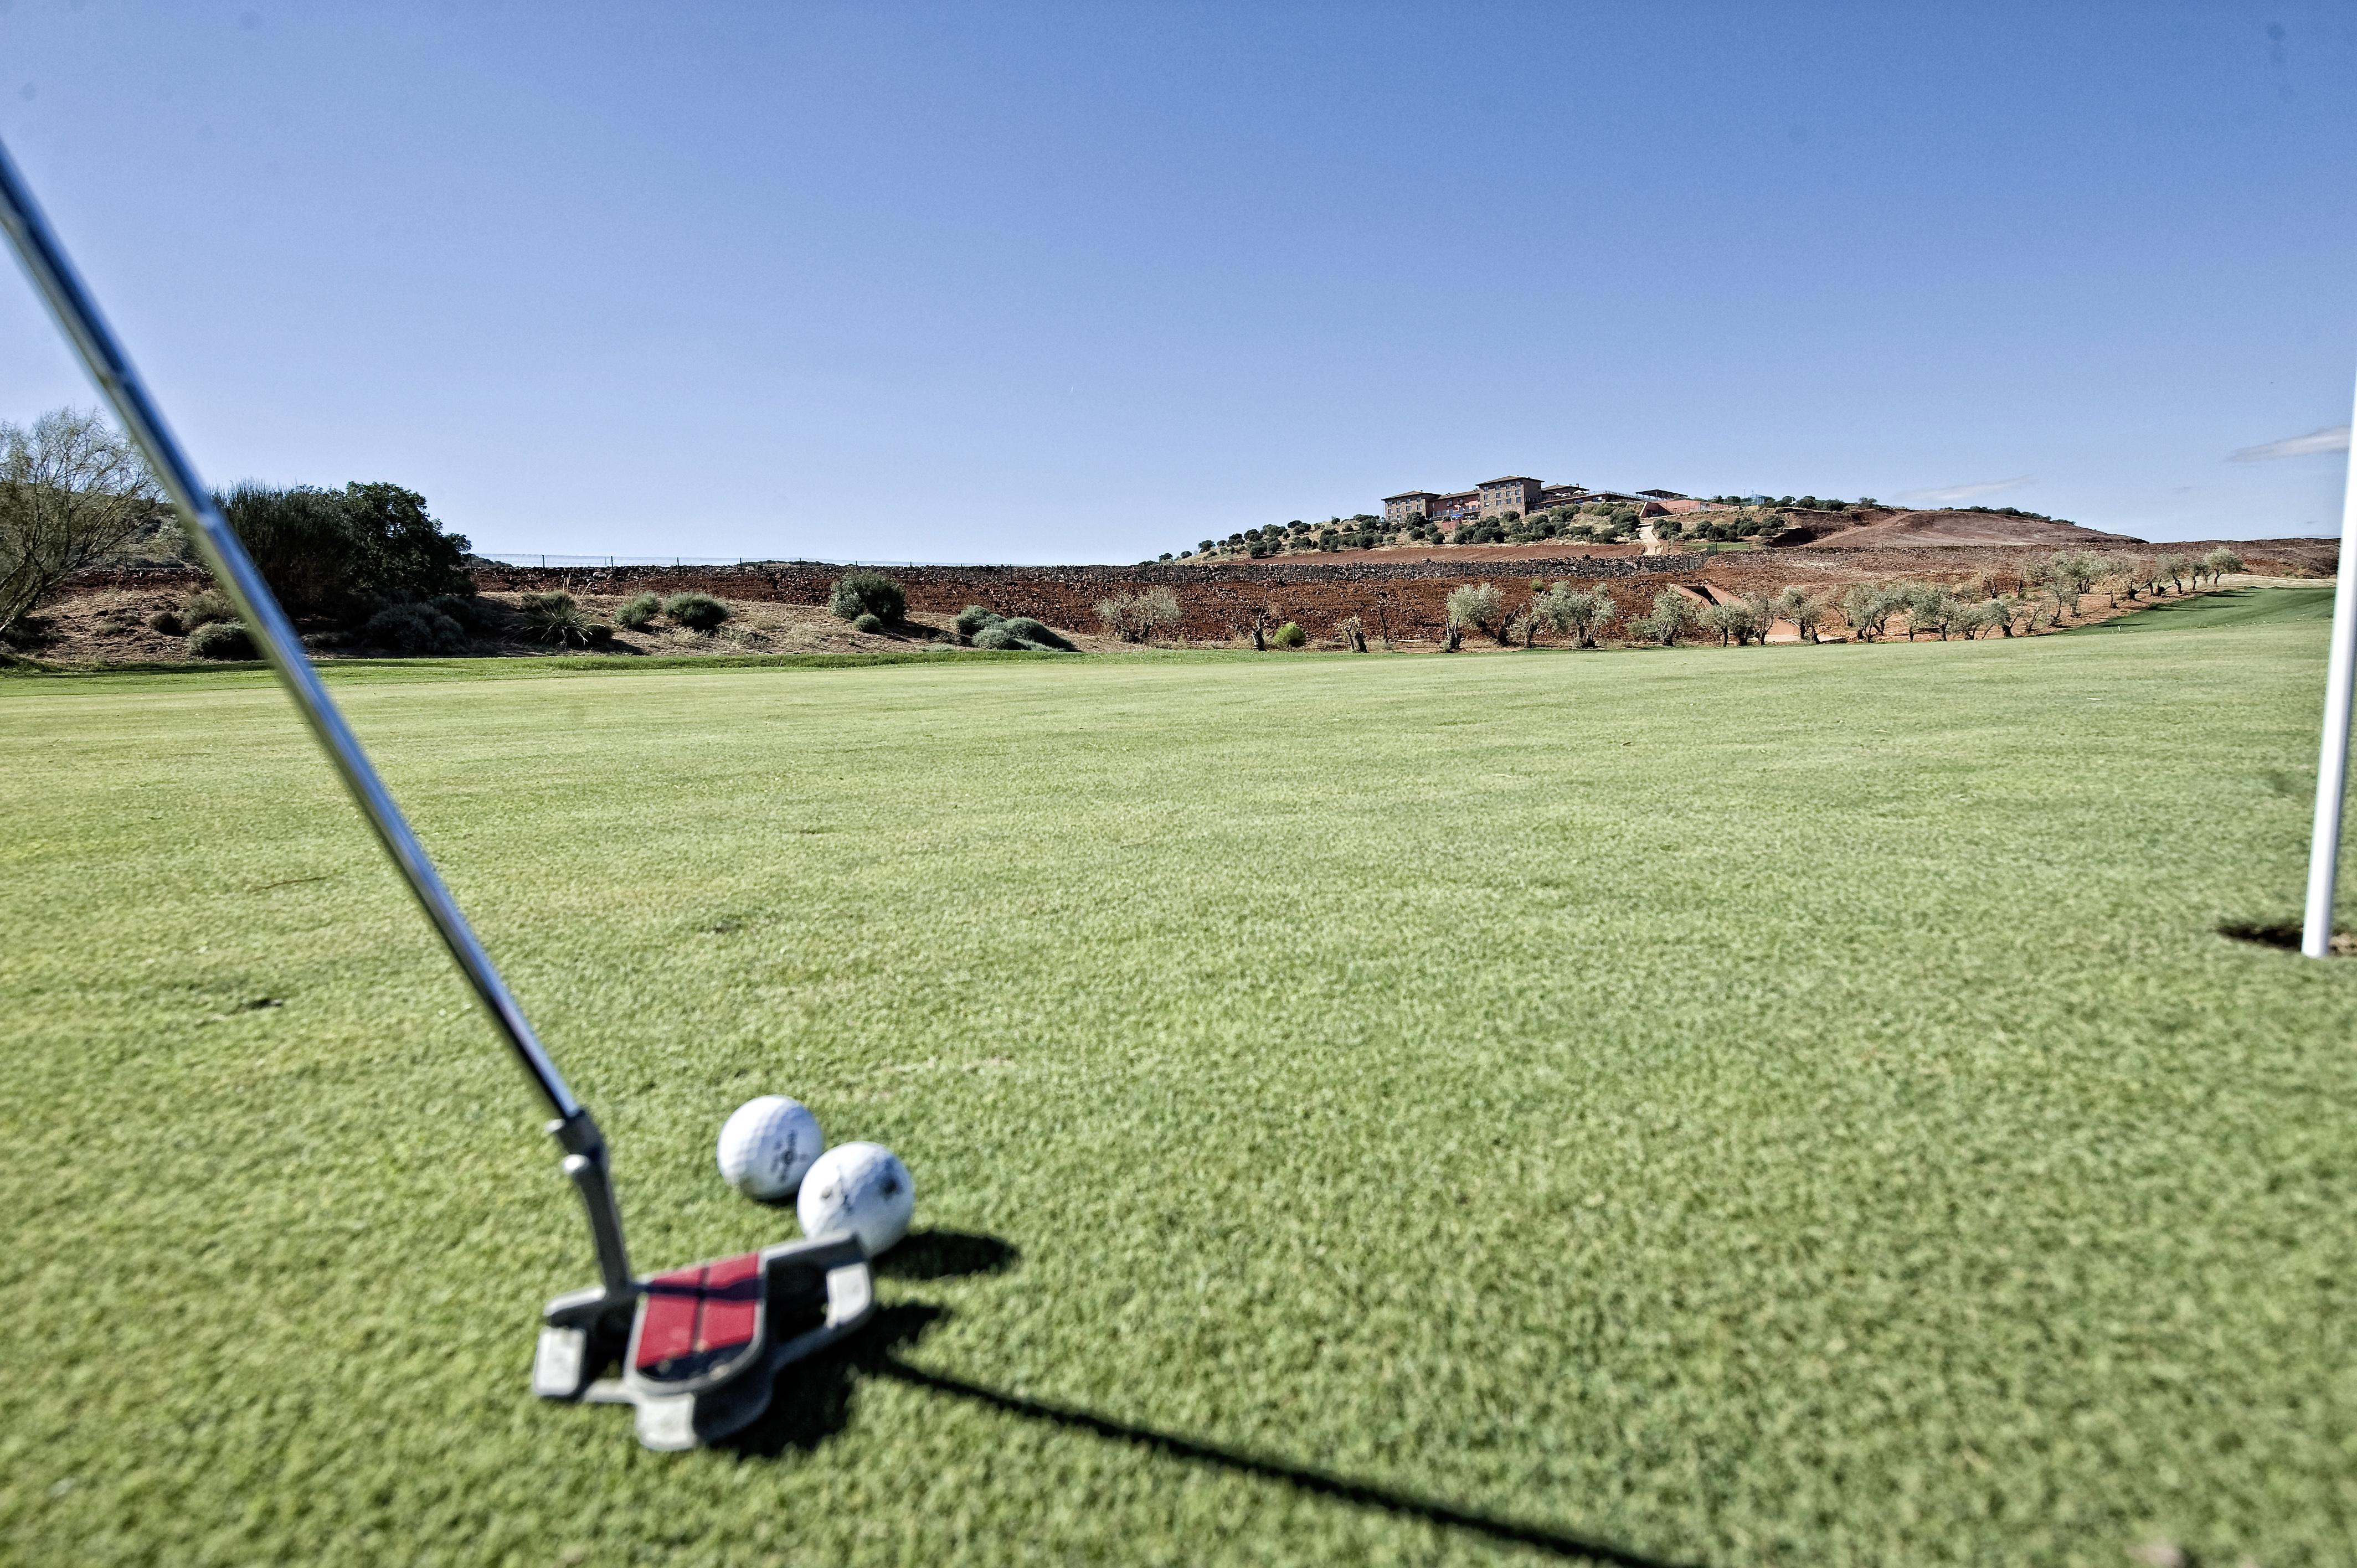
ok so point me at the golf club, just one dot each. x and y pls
(700, 1346)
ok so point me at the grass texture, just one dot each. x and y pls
(1769, 1106)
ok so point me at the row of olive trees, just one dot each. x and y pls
(1576, 612)
(2052, 592)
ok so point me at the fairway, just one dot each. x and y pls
(1781, 1105)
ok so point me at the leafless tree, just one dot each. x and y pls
(71, 492)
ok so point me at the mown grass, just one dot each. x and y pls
(1782, 1105)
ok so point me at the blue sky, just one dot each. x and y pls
(1036, 283)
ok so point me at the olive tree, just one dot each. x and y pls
(2220, 561)
(1868, 607)
(1990, 615)
(2067, 574)
(1932, 607)
(2173, 570)
(1806, 610)
(1741, 620)
(1673, 614)
(71, 492)
(1478, 605)
(1134, 617)
(1579, 614)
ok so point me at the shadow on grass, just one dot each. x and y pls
(1341, 1488)
(2285, 935)
(813, 1401)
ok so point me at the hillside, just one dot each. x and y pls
(1876, 526)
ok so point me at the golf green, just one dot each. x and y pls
(1783, 1105)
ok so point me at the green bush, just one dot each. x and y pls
(470, 613)
(866, 622)
(1033, 634)
(168, 622)
(972, 620)
(867, 592)
(697, 612)
(340, 552)
(553, 618)
(638, 612)
(205, 607)
(221, 639)
(1289, 635)
(994, 637)
(414, 630)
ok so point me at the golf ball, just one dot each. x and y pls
(767, 1145)
(857, 1189)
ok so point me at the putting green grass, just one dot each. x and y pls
(1779, 1105)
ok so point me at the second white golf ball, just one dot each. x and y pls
(768, 1146)
(857, 1189)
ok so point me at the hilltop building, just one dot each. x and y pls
(1521, 494)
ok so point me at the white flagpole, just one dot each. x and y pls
(2333, 756)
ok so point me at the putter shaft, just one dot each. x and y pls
(77, 314)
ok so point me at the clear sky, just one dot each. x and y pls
(1089, 283)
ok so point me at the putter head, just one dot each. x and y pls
(700, 1346)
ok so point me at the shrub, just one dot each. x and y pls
(697, 612)
(471, 614)
(1032, 634)
(330, 552)
(867, 592)
(553, 617)
(205, 607)
(221, 639)
(994, 637)
(1351, 632)
(168, 622)
(638, 612)
(1134, 617)
(414, 630)
(972, 620)
(1289, 635)
(866, 623)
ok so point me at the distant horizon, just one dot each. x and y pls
(1056, 282)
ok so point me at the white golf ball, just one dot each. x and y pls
(767, 1145)
(857, 1189)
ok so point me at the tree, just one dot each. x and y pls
(345, 553)
(1478, 605)
(1868, 607)
(1579, 614)
(1931, 607)
(2067, 574)
(2220, 561)
(1673, 614)
(1806, 610)
(71, 492)
(2173, 569)
(1134, 617)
